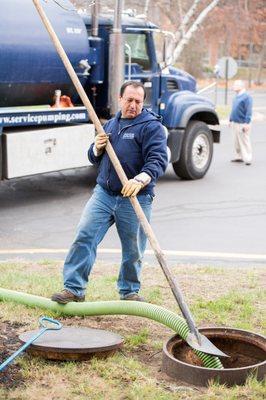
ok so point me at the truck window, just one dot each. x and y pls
(139, 50)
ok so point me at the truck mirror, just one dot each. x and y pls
(164, 45)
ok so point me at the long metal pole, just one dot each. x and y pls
(123, 178)
(226, 81)
(95, 17)
(116, 70)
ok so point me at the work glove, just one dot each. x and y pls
(101, 141)
(132, 188)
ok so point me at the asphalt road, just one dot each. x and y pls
(219, 220)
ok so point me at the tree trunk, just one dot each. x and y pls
(261, 60)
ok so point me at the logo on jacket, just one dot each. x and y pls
(128, 135)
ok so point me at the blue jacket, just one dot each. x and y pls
(140, 147)
(242, 109)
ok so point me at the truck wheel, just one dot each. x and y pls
(196, 152)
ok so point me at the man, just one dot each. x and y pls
(240, 120)
(139, 141)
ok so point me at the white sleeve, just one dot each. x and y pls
(143, 177)
(96, 152)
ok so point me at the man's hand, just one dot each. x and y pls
(101, 141)
(246, 127)
(131, 188)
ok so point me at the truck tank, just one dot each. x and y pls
(30, 69)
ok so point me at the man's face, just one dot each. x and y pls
(131, 102)
(237, 86)
(236, 89)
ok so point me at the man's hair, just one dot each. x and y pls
(238, 84)
(135, 84)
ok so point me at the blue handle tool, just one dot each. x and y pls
(56, 325)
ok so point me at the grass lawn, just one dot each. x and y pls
(231, 297)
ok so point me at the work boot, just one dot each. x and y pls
(237, 160)
(133, 297)
(65, 297)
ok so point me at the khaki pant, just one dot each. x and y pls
(242, 142)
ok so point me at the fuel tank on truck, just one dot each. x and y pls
(30, 68)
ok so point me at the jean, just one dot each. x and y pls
(99, 214)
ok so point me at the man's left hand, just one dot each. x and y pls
(131, 188)
(246, 127)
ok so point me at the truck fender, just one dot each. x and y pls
(198, 112)
(178, 116)
(208, 114)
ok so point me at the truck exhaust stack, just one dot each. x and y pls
(116, 59)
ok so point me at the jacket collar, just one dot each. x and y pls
(144, 116)
(242, 91)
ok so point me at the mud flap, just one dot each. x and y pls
(174, 142)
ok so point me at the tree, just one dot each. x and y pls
(185, 17)
(222, 27)
(238, 28)
(184, 20)
(194, 26)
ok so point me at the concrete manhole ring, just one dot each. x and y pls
(247, 353)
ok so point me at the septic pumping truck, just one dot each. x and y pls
(40, 133)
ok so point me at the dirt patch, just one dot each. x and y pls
(10, 377)
(121, 324)
(242, 354)
(186, 354)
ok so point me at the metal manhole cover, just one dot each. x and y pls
(70, 343)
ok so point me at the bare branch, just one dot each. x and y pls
(181, 17)
(147, 2)
(180, 46)
(187, 17)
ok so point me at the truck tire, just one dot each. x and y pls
(196, 152)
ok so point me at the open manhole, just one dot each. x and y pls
(247, 353)
(75, 344)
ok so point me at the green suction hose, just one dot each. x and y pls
(151, 311)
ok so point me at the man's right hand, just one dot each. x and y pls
(101, 141)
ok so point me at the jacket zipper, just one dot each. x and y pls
(109, 166)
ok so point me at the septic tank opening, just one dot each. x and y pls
(247, 353)
(242, 354)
